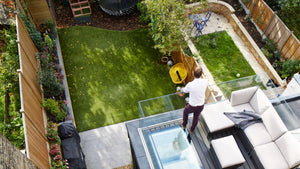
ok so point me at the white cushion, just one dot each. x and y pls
(213, 115)
(273, 123)
(257, 134)
(290, 149)
(242, 96)
(227, 151)
(270, 156)
(260, 101)
(242, 107)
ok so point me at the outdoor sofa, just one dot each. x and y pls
(269, 142)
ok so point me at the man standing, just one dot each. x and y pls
(196, 90)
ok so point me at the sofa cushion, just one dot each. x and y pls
(270, 156)
(242, 107)
(242, 96)
(273, 123)
(257, 134)
(213, 115)
(290, 149)
(260, 102)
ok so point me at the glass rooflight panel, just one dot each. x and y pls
(172, 149)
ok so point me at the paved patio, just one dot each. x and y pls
(108, 147)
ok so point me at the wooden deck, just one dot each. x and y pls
(200, 140)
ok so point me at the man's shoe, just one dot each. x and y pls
(189, 138)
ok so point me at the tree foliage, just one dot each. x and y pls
(168, 23)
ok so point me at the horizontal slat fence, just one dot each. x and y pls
(34, 119)
(39, 11)
(271, 26)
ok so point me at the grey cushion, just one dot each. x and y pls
(242, 107)
(257, 134)
(270, 156)
(242, 96)
(227, 151)
(213, 115)
(289, 148)
(260, 102)
(273, 123)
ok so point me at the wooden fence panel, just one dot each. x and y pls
(250, 4)
(261, 14)
(40, 144)
(291, 48)
(40, 11)
(31, 98)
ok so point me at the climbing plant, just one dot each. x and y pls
(9, 63)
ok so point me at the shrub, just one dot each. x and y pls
(51, 85)
(55, 108)
(51, 106)
(290, 67)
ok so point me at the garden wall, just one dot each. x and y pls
(271, 26)
(11, 157)
(34, 119)
(228, 12)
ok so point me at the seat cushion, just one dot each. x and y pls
(270, 156)
(227, 151)
(257, 134)
(242, 96)
(213, 115)
(273, 123)
(260, 102)
(290, 149)
(242, 107)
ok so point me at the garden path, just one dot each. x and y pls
(109, 147)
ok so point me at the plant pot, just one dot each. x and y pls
(164, 60)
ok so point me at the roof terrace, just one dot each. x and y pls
(147, 133)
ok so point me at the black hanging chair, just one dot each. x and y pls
(117, 7)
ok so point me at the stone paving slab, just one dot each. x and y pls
(106, 147)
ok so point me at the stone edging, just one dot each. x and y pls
(227, 11)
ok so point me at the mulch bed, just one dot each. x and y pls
(64, 18)
(250, 27)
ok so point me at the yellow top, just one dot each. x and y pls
(178, 73)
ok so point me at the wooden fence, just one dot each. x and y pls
(39, 11)
(188, 62)
(34, 119)
(271, 26)
(11, 157)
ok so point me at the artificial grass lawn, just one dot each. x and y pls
(108, 72)
(222, 57)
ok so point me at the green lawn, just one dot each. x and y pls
(222, 57)
(108, 72)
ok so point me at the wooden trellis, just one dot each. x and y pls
(80, 7)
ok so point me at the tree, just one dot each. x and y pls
(168, 23)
